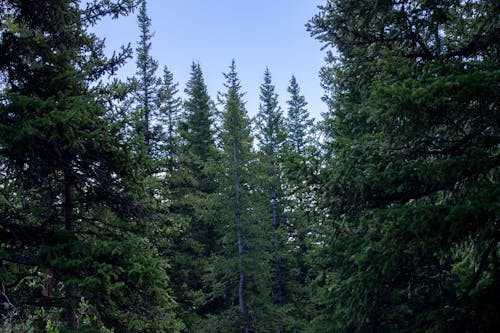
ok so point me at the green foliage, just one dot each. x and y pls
(193, 185)
(124, 209)
(147, 85)
(299, 126)
(271, 135)
(197, 128)
(69, 214)
(242, 276)
(112, 274)
(169, 118)
(269, 120)
(298, 162)
(412, 172)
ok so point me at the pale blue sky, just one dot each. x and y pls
(256, 33)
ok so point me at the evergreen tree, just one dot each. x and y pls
(298, 123)
(241, 269)
(170, 106)
(237, 144)
(411, 175)
(152, 123)
(193, 192)
(300, 160)
(147, 88)
(197, 128)
(72, 252)
(271, 136)
(269, 122)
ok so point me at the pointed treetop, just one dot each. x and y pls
(235, 120)
(196, 90)
(169, 101)
(146, 65)
(269, 120)
(299, 124)
(197, 127)
(232, 80)
(233, 86)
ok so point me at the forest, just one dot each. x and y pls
(126, 208)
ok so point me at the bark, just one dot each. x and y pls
(239, 230)
(146, 113)
(71, 319)
(279, 283)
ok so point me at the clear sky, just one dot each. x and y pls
(256, 33)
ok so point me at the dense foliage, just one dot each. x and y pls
(72, 232)
(124, 208)
(411, 172)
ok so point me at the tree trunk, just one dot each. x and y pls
(146, 118)
(239, 230)
(71, 319)
(279, 283)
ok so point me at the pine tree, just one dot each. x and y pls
(237, 145)
(68, 215)
(271, 136)
(300, 160)
(147, 84)
(299, 125)
(197, 128)
(411, 166)
(269, 122)
(154, 133)
(240, 270)
(193, 192)
(152, 122)
(170, 106)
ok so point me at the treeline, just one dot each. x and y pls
(124, 208)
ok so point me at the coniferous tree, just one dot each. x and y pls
(154, 106)
(299, 125)
(237, 144)
(69, 222)
(299, 161)
(170, 106)
(271, 136)
(147, 87)
(193, 189)
(411, 166)
(240, 271)
(196, 127)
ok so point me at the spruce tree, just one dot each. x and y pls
(240, 272)
(237, 143)
(147, 86)
(197, 128)
(72, 252)
(299, 125)
(154, 133)
(411, 166)
(271, 136)
(193, 192)
(300, 160)
(170, 106)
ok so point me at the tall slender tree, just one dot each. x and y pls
(237, 144)
(197, 128)
(240, 271)
(271, 136)
(147, 85)
(299, 161)
(193, 191)
(170, 107)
